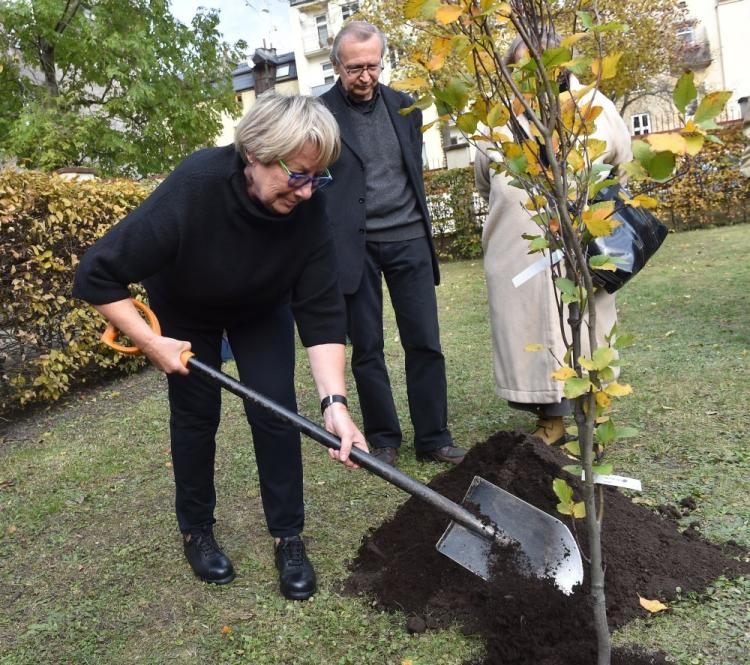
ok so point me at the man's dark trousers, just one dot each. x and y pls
(407, 268)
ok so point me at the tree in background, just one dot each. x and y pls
(119, 85)
(651, 48)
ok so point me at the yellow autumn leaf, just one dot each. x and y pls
(408, 661)
(651, 605)
(575, 160)
(595, 148)
(414, 83)
(446, 14)
(618, 389)
(670, 142)
(693, 143)
(531, 348)
(573, 39)
(643, 201)
(602, 399)
(597, 222)
(563, 373)
(226, 630)
(607, 65)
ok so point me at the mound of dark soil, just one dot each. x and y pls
(527, 621)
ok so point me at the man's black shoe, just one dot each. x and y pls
(387, 455)
(206, 558)
(450, 453)
(296, 574)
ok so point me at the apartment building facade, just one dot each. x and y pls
(714, 39)
(314, 24)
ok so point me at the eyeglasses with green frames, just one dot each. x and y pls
(297, 180)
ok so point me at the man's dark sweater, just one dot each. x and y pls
(210, 256)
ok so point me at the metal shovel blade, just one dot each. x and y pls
(546, 546)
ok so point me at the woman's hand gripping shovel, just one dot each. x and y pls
(542, 545)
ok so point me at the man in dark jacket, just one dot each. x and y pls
(381, 227)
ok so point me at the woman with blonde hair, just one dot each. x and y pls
(235, 240)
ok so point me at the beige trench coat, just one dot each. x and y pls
(528, 314)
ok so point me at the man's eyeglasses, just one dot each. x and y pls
(356, 70)
(297, 180)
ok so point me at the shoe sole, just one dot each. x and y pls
(223, 580)
(299, 596)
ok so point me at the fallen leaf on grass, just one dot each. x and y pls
(652, 606)
(226, 630)
(12, 529)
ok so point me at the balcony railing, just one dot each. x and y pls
(315, 40)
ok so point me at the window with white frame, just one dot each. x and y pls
(349, 9)
(641, 123)
(282, 70)
(321, 23)
(328, 76)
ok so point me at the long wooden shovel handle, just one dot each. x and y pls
(110, 334)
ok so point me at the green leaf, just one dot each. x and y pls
(710, 106)
(626, 432)
(642, 151)
(554, 57)
(467, 123)
(586, 19)
(454, 95)
(576, 386)
(612, 26)
(684, 91)
(602, 469)
(537, 244)
(580, 66)
(661, 167)
(573, 447)
(573, 469)
(605, 432)
(623, 341)
(563, 491)
(602, 357)
(566, 286)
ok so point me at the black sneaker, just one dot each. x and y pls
(206, 558)
(296, 574)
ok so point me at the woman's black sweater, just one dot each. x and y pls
(210, 256)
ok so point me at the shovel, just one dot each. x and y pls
(541, 545)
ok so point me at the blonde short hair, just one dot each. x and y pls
(279, 126)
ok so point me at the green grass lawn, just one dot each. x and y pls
(91, 567)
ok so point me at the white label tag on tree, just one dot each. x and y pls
(617, 481)
(535, 268)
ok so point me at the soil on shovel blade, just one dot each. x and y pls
(528, 621)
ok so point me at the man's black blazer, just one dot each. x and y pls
(345, 197)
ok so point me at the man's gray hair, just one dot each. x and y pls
(279, 126)
(361, 31)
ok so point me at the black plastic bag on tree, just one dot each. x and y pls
(633, 242)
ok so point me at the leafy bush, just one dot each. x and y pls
(47, 339)
(457, 212)
(712, 191)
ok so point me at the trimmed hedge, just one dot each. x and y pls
(712, 191)
(48, 340)
(457, 213)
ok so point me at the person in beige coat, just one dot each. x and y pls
(529, 313)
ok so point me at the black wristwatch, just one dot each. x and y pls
(330, 399)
